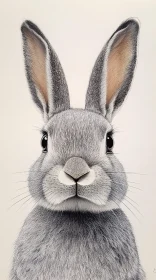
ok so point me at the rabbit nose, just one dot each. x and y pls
(76, 167)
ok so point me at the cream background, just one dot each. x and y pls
(77, 30)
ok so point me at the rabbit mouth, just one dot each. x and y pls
(77, 200)
(78, 195)
(77, 203)
(93, 188)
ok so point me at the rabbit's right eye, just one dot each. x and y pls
(44, 142)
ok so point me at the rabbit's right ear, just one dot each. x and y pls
(113, 71)
(44, 72)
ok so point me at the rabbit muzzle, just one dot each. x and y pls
(76, 180)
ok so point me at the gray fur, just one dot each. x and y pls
(76, 167)
(77, 232)
(75, 245)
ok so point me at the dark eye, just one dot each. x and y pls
(109, 142)
(44, 142)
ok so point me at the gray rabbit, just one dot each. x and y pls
(77, 231)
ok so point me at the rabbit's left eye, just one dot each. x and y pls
(44, 142)
(109, 142)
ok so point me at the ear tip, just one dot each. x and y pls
(25, 25)
(28, 24)
(132, 23)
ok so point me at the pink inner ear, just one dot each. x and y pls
(118, 61)
(37, 56)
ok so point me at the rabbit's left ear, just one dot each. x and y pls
(113, 71)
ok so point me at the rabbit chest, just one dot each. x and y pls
(75, 246)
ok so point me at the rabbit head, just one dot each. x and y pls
(77, 170)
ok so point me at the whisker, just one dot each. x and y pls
(137, 183)
(25, 181)
(18, 202)
(131, 200)
(37, 127)
(21, 181)
(19, 195)
(18, 189)
(20, 172)
(27, 171)
(133, 206)
(127, 207)
(117, 183)
(130, 210)
(128, 190)
(25, 202)
(135, 188)
(125, 172)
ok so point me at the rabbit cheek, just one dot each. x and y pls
(57, 190)
(97, 192)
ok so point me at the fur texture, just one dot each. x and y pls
(77, 230)
(74, 245)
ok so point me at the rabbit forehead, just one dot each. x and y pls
(78, 121)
